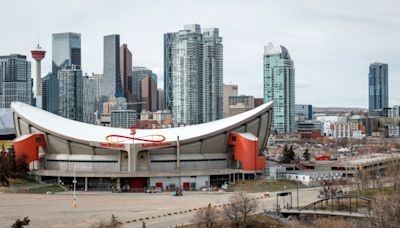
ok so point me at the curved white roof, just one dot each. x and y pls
(51, 123)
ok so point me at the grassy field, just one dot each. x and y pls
(265, 185)
(20, 185)
(259, 220)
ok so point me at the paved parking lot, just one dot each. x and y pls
(56, 210)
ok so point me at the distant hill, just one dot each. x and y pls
(338, 109)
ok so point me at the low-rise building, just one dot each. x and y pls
(123, 118)
(312, 177)
(329, 121)
(310, 129)
(239, 104)
(160, 117)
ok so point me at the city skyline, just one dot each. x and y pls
(366, 35)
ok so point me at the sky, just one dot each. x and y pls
(331, 43)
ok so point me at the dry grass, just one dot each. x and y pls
(265, 185)
(258, 221)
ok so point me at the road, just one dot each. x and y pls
(160, 209)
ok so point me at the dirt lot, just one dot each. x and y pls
(56, 210)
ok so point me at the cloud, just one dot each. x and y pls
(332, 43)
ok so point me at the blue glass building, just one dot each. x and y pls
(111, 82)
(66, 50)
(378, 87)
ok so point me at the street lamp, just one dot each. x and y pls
(297, 189)
(74, 204)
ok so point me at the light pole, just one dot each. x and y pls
(284, 201)
(297, 189)
(74, 204)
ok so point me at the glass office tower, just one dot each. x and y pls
(378, 87)
(111, 84)
(66, 50)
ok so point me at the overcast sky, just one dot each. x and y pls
(332, 43)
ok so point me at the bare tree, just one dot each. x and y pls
(330, 187)
(392, 172)
(113, 223)
(362, 179)
(385, 213)
(240, 208)
(22, 167)
(207, 216)
(21, 223)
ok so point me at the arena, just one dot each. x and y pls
(105, 158)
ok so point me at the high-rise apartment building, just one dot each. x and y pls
(71, 92)
(378, 87)
(15, 80)
(193, 75)
(148, 95)
(111, 82)
(279, 87)
(187, 76)
(229, 90)
(212, 75)
(66, 50)
(89, 98)
(126, 70)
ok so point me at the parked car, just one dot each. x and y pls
(152, 189)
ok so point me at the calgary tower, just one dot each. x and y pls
(38, 54)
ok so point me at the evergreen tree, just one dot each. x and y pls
(306, 155)
(5, 168)
(285, 154)
(291, 153)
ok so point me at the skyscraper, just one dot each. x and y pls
(168, 41)
(279, 87)
(66, 50)
(378, 87)
(15, 80)
(193, 74)
(45, 91)
(111, 82)
(126, 70)
(138, 74)
(212, 75)
(187, 76)
(149, 94)
(71, 92)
